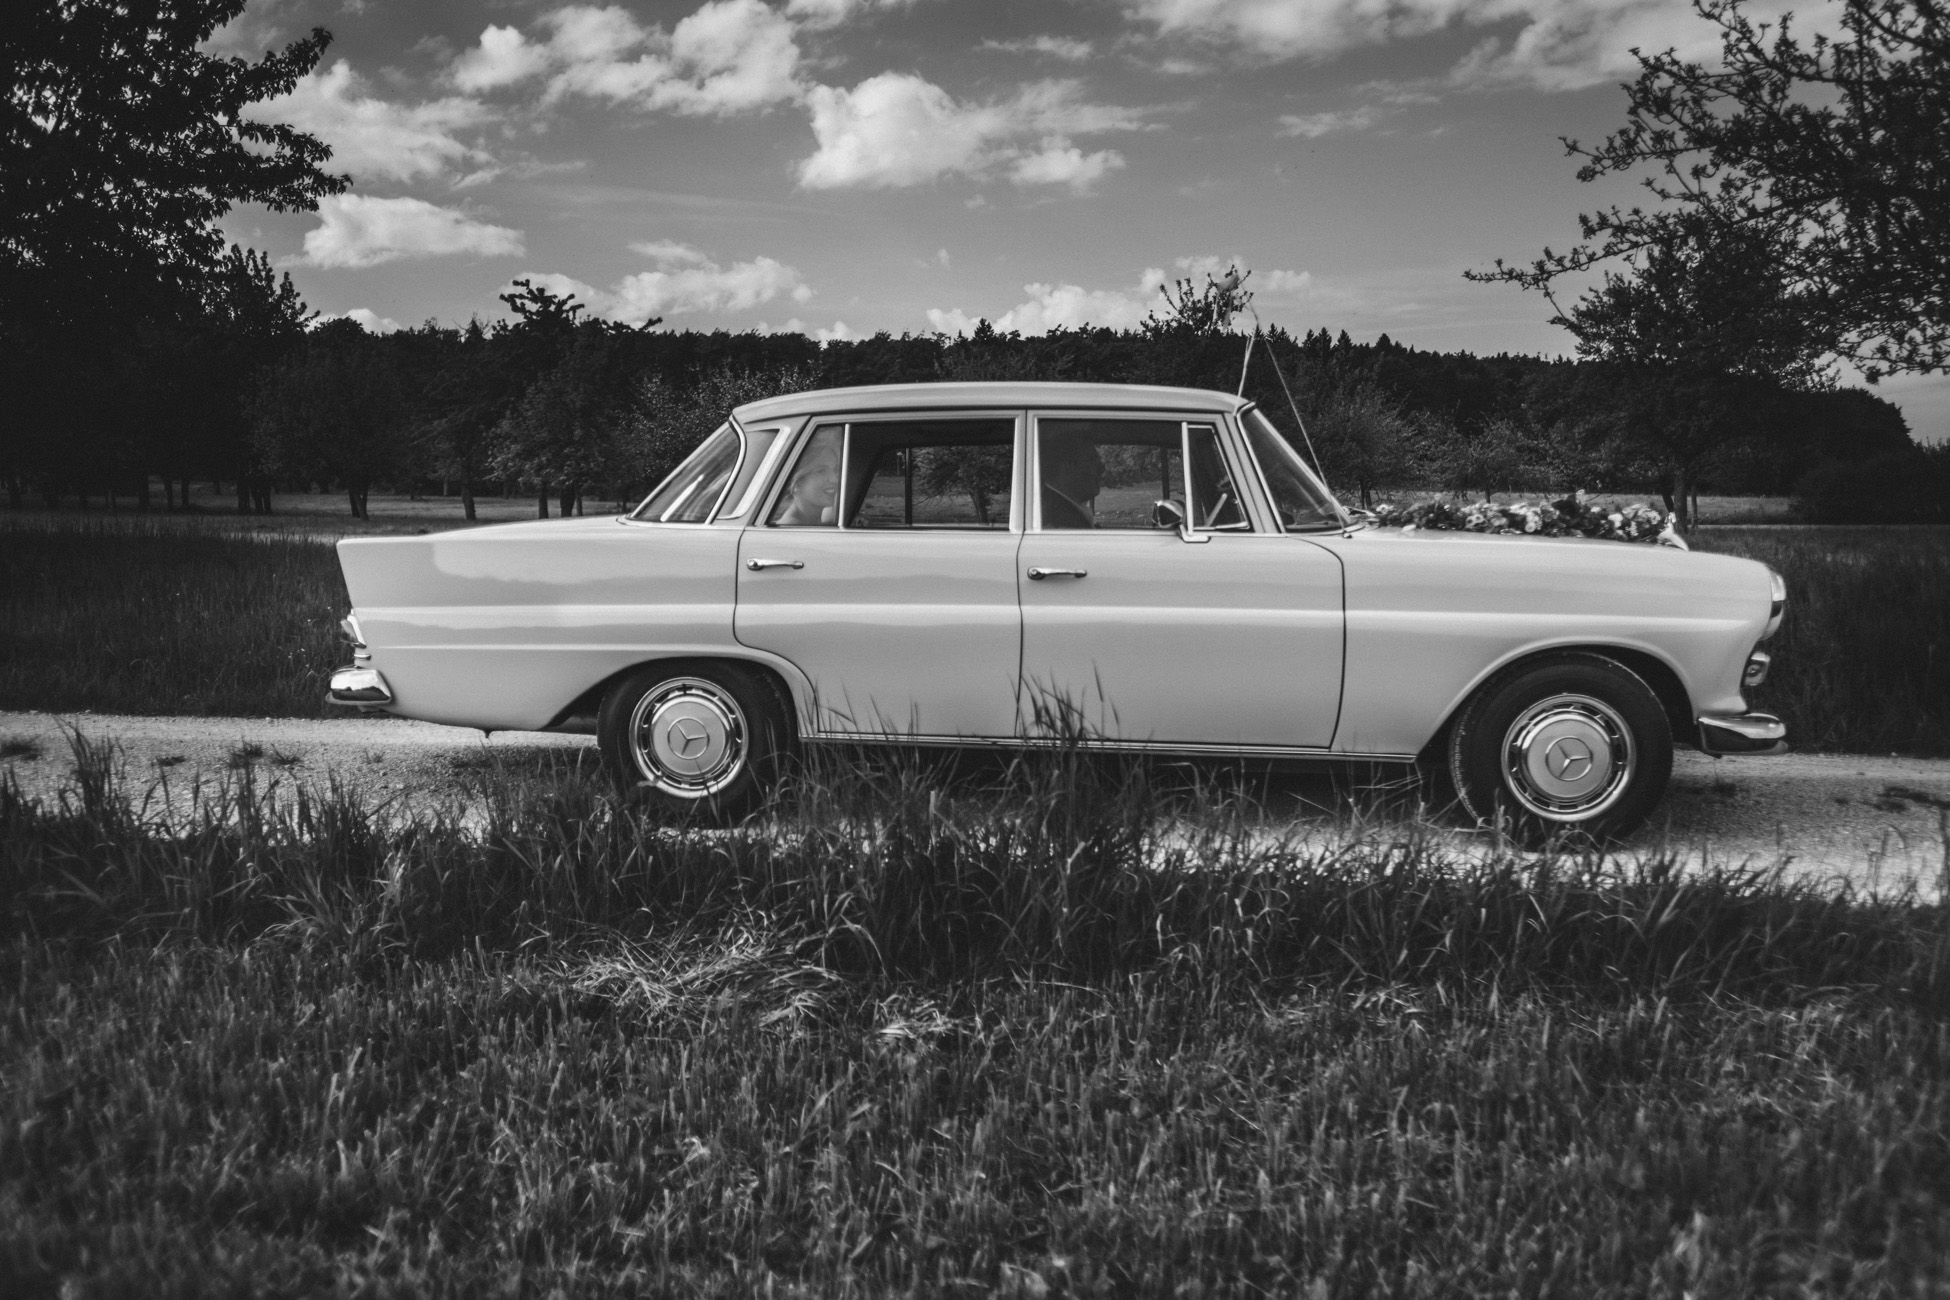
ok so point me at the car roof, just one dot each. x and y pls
(963, 396)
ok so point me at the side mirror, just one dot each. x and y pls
(1171, 514)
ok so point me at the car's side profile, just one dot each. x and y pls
(1147, 569)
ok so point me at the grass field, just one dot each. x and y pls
(134, 616)
(898, 1041)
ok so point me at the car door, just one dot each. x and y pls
(1231, 639)
(884, 567)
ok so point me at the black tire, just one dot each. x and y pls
(731, 717)
(1576, 745)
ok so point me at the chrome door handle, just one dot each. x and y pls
(757, 565)
(1037, 575)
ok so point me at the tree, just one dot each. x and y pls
(1827, 154)
(123, 142)
(333, 409)
(1205, 311)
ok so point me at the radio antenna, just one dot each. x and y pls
(1273, 359)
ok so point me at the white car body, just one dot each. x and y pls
(1347, 642)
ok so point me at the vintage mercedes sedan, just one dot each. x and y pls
(1143, 569)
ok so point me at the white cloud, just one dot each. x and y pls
(1061, 163)
(357, 231)
(369, 320)
(729, 56)
(1069, 306)
(1312, 126)
(831, 13)
(1067, 48)
(1558, 44)
(503, 57)
(667, 251)
(839, 330)
(686, 282)
(374, 139)
(897, 129)
(1287, 282)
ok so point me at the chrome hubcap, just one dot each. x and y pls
(688, 737)
(1568, 758)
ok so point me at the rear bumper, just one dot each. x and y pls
(357, 687)
(1744, 733)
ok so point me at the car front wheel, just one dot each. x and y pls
(1576, 744)
(701, 739)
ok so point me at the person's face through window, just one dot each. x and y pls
(814, 490)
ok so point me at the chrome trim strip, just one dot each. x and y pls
(1188, 748)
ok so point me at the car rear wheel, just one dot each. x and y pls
(704, 739)
(1575, 744)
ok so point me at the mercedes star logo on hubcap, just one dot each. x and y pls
(688, 737)
(1568, 758)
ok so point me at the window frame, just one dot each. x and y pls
(1243, 468)
(1265, 489)
(710, 516)
(781, 472)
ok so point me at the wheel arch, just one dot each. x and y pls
(578, 716)
(1658, 675)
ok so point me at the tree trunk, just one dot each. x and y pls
(541, 503)
(169, 494)
(356, 495)
(568, 499)
(243, 495)
(142, 493)
(13, 492)
(467, 498)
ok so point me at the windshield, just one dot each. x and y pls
(1298, 497)
(691, 492)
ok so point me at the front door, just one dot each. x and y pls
(885, 568)
(1232, 639)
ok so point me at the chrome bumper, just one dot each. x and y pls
(357, 687)
(1746, 733)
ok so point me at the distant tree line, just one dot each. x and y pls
(567, 410)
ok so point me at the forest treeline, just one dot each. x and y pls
(249, 392)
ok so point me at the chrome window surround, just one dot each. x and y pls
(1231, 447)
(744, 444)
(781, 470)
(1266, 490)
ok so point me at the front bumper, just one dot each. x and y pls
(1744, 733)
(358, 687)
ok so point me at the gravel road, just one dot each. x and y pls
(1864, 818)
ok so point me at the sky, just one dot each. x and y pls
(840, 167)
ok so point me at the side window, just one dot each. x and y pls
(930, 473)
(1108, 474)
(810, 498)
(1216, 503)
(758, 447)
(691, 492)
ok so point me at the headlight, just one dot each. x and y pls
(1779, 607)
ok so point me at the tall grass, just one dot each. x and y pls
(119, 617)
(1862, 662)
(893, 1040)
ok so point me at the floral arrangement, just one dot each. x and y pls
(1570, 516)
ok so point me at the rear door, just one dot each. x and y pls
(885, 568)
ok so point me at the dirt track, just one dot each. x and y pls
(1865, 818)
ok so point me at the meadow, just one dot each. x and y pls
(158, 616)
(1019, 1035)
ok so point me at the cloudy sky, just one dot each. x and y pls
(846, 166)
